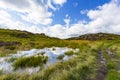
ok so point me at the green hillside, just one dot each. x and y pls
(98, 57)
(13, 40)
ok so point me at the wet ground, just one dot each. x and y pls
(52, 53)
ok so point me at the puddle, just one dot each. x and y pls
(52, 53)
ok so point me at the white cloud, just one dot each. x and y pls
(67, 15)
(104, 19)
(67, 21)
(34, 13)
(55, 4)
(57, 30)
(59, 2)
(50, 5)
(7, 22)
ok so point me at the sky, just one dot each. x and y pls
(61, 18)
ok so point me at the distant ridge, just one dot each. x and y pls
(96, 36)
(7, 33)
(21, 34)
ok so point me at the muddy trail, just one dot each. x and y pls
(102, 69)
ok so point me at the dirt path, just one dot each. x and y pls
(102, 70)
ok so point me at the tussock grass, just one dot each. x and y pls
(113, 75)
(69, 53)
(79, 68)
(60, 57)
(32, 61)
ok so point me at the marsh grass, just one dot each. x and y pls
(32, 61)
(41, 53)
(1, 72)
(60, 57)
(81, 67)
(73, 69)
(12, 59)
(69, 53)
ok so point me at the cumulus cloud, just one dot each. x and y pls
(104, 19)
(50, 5)
(7, 22)
(35, 17)
(60, 2)
(30, 10)
(55, 4)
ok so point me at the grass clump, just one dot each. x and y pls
(60, 57)
(113, 75)
(10, 47)
(1, 72)
(32, 61)
(41, 53)
(69, 53)
(12, 59)
(53, 49)
(111, 65)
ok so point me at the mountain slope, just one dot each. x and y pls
(97, 36)
(6, 33)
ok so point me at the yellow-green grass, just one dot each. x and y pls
(32, 61)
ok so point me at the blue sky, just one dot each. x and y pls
(73, 8)
(61, 18)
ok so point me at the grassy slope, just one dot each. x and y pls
(26, 40)
(84, 66)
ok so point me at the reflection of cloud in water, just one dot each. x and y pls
(52, 54)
